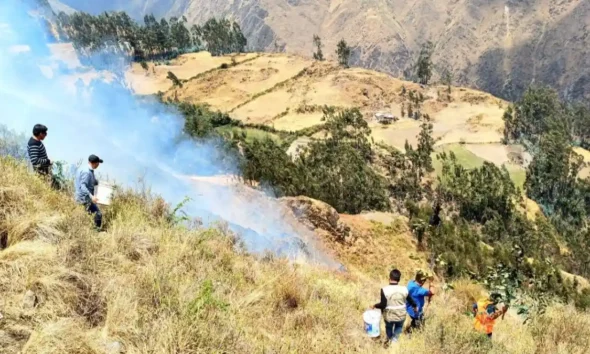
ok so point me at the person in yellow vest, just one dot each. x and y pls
(486, 311)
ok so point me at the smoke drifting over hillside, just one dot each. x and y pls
(136, 139)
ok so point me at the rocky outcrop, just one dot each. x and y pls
(319, 217)
(29, 300)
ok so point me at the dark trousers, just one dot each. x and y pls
(45, 173)
(394, 330)
(43, 170)
(92, 208)
(416, 323)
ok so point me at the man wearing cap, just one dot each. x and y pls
(418, 293)
(84, 183)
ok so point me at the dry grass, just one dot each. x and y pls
(467, 292)
(295, 121)
(585, 172)
(146, 286)
(561, 329)
(376, 248)
(154, 287)
(231, 88)
(185, 67)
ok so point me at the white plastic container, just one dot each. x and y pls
(372, 319)
(104, 191)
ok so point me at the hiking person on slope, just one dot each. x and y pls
(418, 293)
(393, 306)
(36, 151)
(84, 184)
(486, 312)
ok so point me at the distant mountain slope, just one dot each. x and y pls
(500, 46)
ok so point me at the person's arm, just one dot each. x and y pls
(383, 304)
(495, 315)
(44, 161)
(412, 303)
(425, 292)
(33, 152)
(499, 313)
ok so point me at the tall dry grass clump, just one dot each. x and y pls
(148, 285)
(562, 329)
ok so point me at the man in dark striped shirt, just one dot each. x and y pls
(36, 150)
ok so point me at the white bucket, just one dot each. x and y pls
(104, 191)
(372, 319)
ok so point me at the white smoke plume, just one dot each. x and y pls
(135, 139)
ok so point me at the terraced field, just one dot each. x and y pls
(289, 92)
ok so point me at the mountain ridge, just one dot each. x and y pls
(497, 46)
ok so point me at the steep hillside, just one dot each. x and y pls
(498, 46)
(147, 285)
(363, 243)
(68, 290)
